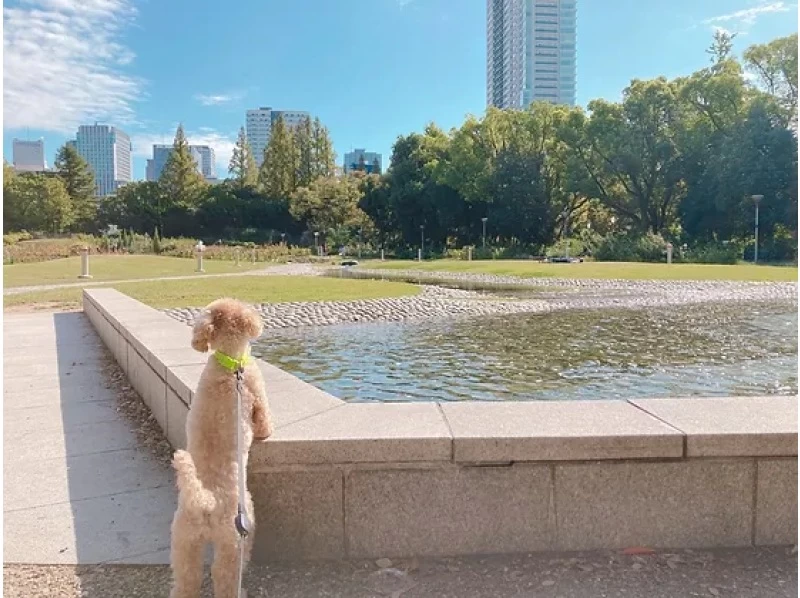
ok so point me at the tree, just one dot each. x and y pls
(36, 202)
(376, 203)
(329, 204)
(181, 180)
(629, 155)
(721, 47)
(79, 181)
(775, 66)
(324, 158)
(278, 174)
(242, 165)
(303, 139)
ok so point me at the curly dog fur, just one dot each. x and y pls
(207, 472)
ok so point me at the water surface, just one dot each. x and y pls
(707, 350)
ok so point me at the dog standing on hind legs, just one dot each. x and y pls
(207, 472)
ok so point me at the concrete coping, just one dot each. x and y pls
(314, 427)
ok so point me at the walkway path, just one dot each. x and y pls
(282, 269)
(78, 485)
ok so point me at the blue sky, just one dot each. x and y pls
(370, 70)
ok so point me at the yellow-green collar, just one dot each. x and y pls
(231, 364)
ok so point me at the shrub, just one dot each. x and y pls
(649, 247)
(714, 252)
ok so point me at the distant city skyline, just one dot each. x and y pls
(418, 61)
(361, 159)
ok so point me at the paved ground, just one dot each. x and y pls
(745, 573)
(79, 486)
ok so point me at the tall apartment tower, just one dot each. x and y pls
(258, 126)
(530, 52)
(28, 156)
(109, 153)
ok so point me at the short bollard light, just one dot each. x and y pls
(85, 263)
(253, 255)
(198, 250)
(469, 253)
(669, 253)
(382, 258)
(238, 254)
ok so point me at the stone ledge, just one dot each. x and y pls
(731, 427)
(557, 431)
(360, 433)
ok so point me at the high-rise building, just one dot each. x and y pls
(109, 153)
(530, 52)
(28, 156)
(208, 160)
(361, 159)
(258, 126)
(161, 153)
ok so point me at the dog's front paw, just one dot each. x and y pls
(262, 429)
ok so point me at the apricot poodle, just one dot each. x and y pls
(207, 472)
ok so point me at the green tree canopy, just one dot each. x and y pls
(181, 180)
(79, 182)
(242, 166)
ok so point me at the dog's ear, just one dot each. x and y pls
(255, 325)
(202, 331)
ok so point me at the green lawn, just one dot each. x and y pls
(111, 267)
(199, 292)
(606, 270)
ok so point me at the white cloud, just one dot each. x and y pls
(218, 99)
(62, 64)
(223, 144)
(741, 20)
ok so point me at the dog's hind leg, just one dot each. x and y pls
(186, 557)
(225, 570)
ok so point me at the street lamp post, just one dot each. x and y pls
(756, 199)
(360, 240)
(566, 233)
(316, 241)
(283, 238)
(484, 219)
(421, 240)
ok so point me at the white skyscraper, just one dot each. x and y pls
(530, 52)
(28, 156)
(258, 126)
(109, 153)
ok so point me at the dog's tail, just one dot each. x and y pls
(190, 486)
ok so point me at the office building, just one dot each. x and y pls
(109, 153)
(258, 126)
(530, 52)
(161, 153)
(28, 156)
(208, 160)
(361, 159)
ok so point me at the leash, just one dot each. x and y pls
(241, 522)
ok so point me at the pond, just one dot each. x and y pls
(705, 350)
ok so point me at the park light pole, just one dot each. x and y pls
(421, 240)
(283, 238)
(484, 219)
(756, 200)
(360, 240)
(316, 241)
(566, 233)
